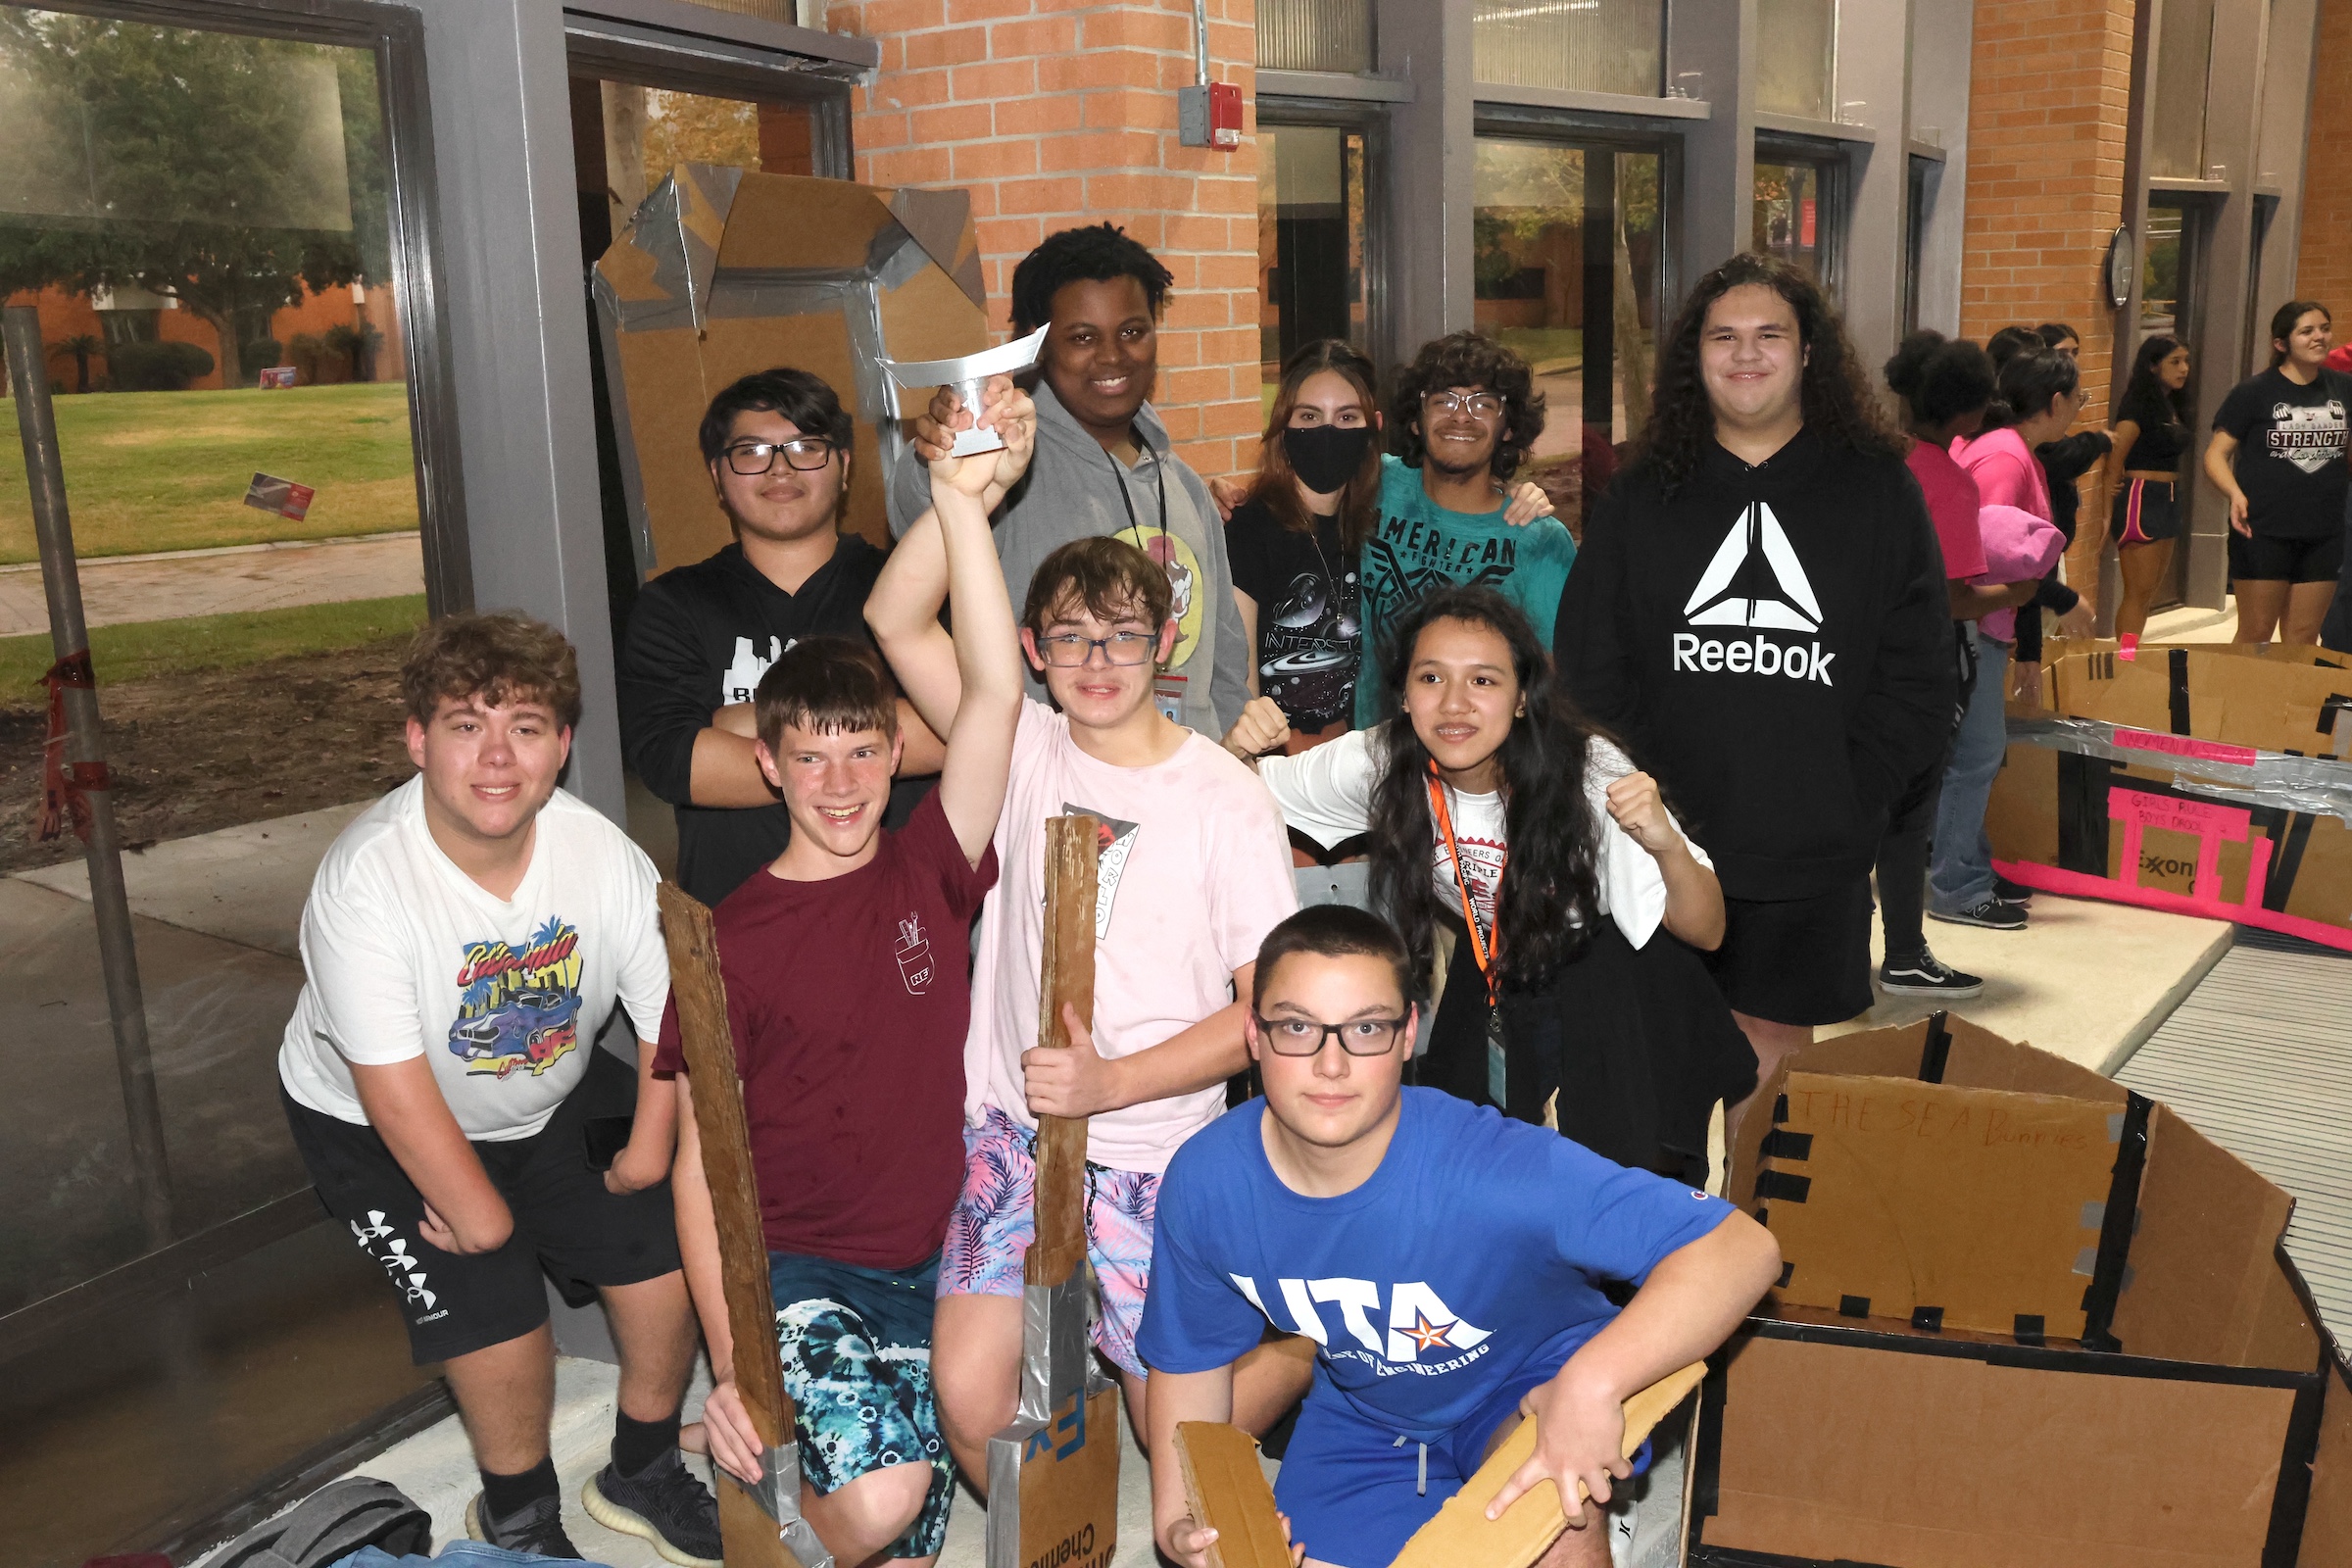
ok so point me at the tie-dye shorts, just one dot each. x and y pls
(989, 1234)
(856, 1349)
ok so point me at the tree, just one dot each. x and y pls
(203, 172)
(78, 348)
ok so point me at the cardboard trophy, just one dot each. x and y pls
(968, 376)
(1226, 1489)
(1053, 1473)
(761, 1526)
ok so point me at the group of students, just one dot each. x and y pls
(1621, 805)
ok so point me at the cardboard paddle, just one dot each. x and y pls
(761, 1526)
(1053, 1473)
(1227, 1491)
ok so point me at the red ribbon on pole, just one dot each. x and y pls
(63, 783)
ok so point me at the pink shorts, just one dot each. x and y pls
(989, 1234)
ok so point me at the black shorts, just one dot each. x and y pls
(2268, 559)
(566, 1225)
(1798, 961)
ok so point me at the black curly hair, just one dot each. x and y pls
(1468, 359)
(1093, 254)
(1938, 378)
(1836, 398)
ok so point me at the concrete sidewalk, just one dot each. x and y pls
(120, 589)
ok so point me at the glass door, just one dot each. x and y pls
(1566, 272)
(1312, 241)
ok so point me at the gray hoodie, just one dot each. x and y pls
(1072, 492)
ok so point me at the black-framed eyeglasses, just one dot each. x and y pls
(1304, 1036)
(1476, 404)
(1068, 650)
(804, 453)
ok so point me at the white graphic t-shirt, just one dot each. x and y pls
(406, 956)
(1194, 870)
(1326, 793)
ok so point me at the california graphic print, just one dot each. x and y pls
(518, 1012)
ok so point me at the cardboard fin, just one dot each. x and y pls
(1227, 1488)
(760, 1529)
(1461, 1536)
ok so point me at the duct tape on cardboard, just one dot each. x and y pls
(2315, 785)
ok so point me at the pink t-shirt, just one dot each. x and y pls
(1952, 504)
(2007, 474)
(1195, 872)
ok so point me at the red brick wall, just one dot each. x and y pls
(66, 315)
(1054, 113)
(2049, 88)
(2324, 269)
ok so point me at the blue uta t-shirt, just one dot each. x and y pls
(1473, 1253)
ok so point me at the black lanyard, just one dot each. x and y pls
(1158, 475)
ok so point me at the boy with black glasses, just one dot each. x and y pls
(1194, 868)
(1447, 1262)
(1464, 416)
(777, 445)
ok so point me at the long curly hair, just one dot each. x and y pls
(1836, 397)
(1468, 359)
(1551, 896)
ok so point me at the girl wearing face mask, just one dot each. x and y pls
(1294, 540)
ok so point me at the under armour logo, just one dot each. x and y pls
(374, 1229)
(1713, 603)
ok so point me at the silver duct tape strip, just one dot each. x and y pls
(778, 1495)
(1056, 1359)
(1005, 1452)
(2319, 786)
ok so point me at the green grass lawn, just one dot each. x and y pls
(167, 470)
(1549, 349)
(148, 649)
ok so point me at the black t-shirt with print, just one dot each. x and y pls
(1310, 633)
(2291, 452)
(699, 637)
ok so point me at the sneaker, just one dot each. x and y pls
(1926, 976)
(2009, 892)
(1990, 912)
(665, 1505)
(537, 1529)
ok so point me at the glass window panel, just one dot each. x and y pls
(1311, 241)
(1578, 45)
(1314, 35)
(2165, 308)
(2183, 55)
(1566, 272)
(1796, 44)
(1791, 217)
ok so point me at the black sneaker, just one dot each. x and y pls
(1992, 914)
(1926, 976)
(2009, 892)
(665, 1505)
(537, 1528)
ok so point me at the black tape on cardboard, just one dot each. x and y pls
(2029, 1330)
(1783, 1186)
(1853, 1306)
(1780, 1109)
(1787, 1273)
(2283, 1545)
(2115, 1230)
(2286, 861)
(1782, 1143)
(2176, 666)
(2083, 821)
(1928, 1319)
(1937, 1053)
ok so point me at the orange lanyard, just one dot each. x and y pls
(1478, 944)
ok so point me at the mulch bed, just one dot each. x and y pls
(192, 753)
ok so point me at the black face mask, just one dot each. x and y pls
(1325, 457)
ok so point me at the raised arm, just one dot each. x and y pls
(987, 648)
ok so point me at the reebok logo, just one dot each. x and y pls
(1754, 582)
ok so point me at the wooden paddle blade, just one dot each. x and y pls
(1226, 1487)
(1461, 1536)
(1067, 978)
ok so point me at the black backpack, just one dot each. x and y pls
(329, 1525)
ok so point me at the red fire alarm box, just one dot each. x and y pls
(1209, 115)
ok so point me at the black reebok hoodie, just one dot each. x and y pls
(1774, 644)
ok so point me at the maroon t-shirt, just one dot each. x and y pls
(849, 1000)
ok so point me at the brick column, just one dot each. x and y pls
(2323, 263)
(2049, 91)
(1054, 113)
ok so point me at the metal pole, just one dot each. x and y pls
(118, 953)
